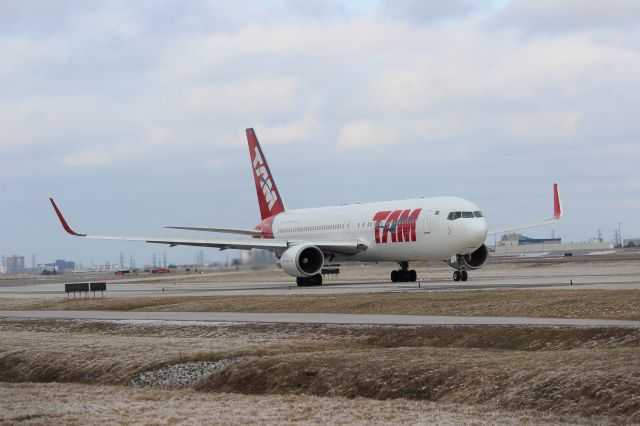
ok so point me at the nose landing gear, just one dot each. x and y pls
(403, 274)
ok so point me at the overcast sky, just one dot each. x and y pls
(132, 114)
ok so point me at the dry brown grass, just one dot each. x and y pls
(572, 373)
(612, 304)
(594, 382)
(55, 403)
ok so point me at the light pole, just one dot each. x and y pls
(619, 235)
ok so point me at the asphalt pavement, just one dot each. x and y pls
(319, 318)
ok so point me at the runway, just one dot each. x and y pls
(129, 288)
(351, 319)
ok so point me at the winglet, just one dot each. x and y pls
(64, 223)
(557, 205)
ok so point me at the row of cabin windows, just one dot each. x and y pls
(464, 215)
(312, 228)
(376, 224)
(373, 224)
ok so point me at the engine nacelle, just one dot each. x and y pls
(474, 260)
(303, 260)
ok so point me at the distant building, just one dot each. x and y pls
(509, 239)
(62, 265)
(257, 258)
(511, 244)
(15, 264)
(631, 242)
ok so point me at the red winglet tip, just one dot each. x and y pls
(557, 206)
(64, 223)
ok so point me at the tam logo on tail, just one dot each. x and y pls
(268, 196)
(265, 180)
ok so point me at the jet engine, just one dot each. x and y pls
(303, 260)
(473, 260)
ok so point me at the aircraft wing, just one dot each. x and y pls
(276, 245)
(347, 247)
(252, 232)
(557, 215)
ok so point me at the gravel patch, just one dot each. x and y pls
(181, 375)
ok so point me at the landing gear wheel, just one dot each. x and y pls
(317, 279)
(314, 280)
(403, 274)
(456, 276)
(464, 275)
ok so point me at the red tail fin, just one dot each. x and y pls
(268, 195)
(557, 204)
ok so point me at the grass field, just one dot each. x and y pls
(612, 304)
(80, 371)
(54, 403)
(458, 374)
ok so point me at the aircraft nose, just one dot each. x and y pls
(477, 231)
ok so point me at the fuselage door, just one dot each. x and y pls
(428, 219)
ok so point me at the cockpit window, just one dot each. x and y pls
(466, 215)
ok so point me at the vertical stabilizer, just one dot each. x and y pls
(266, 189)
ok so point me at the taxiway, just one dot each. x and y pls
(327, 318)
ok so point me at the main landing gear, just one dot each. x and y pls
(460, 275)
(314, 280)
(403, 274)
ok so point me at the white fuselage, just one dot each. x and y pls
(403, 230)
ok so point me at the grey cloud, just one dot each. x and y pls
(569, 15)
(124, 103)
(418, 11)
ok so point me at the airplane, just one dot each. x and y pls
(449, 229)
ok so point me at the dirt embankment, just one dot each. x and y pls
(574, 372)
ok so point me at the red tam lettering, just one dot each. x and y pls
(377, 218)
(403, 230)
(414, 219)
(390, 226)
